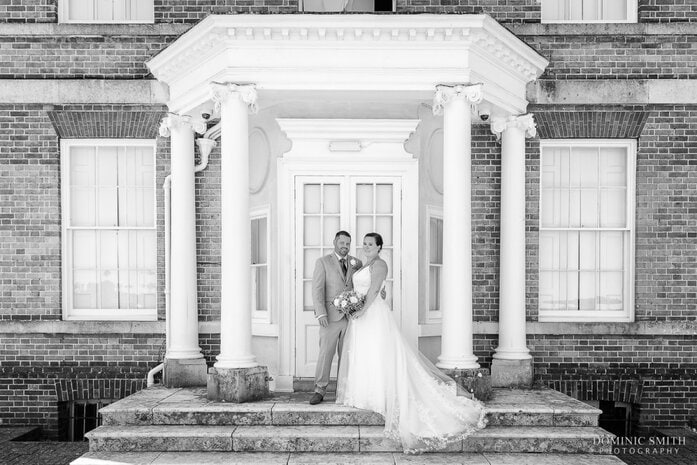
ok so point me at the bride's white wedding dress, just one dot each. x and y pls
(379, 371)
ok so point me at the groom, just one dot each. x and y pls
(332, 276)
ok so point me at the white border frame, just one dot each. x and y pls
(64, 12)
(632, 16)
(66, 250)
(590, 316)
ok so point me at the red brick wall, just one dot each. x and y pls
(666, 250)
(30, 249)
(28, 11)
(32, 365)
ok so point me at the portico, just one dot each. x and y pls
(363, 79)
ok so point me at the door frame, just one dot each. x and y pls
(387, 158)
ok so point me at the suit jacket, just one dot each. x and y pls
(328, 282)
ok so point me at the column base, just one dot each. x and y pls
(475, 381)
(238, 384)
(185, 372)
(511, 373)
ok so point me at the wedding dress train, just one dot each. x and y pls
(379, 371)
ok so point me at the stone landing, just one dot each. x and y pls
(169, 425)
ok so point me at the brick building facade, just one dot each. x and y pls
(608, 81)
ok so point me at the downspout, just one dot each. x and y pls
(205, 146)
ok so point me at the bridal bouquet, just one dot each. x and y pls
(349, 302)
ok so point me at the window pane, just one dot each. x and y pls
(586, 290)
(261, 290)
(81, 9)
(549, 290)
(611, 250)
(586, 252)
(364, 198)
(331, 227)
(613, 208)
(436, 241)
(109, 287)
(307, 296)
(383, 225)
(84, 246)
(613, 166)
(383, 198)
(310, 258)
(85, 289)
(312, 230)
(332, 200)
(311, 198)
(434, 288)
(614, 10)
(611, 291)
(364, 225)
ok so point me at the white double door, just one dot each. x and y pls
(324, 205)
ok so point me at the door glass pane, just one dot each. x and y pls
(312, 231)
(331, 227)
(383, 198)
(364, 225)
(332, 200)
(307, 296)
(364, 198)
(383, 225)
(309, 260)
(312, 198)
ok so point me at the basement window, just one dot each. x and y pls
(75, 418)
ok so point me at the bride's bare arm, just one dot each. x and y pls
(378, 273)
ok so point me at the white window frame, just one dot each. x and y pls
(632, 16)
(64, 16)
(627, 314)
(66, 247)
(261, 321)
(432, 316)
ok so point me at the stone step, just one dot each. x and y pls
(189, 407)
(502, 439)
(363, 458)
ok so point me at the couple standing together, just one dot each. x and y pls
(378, 370)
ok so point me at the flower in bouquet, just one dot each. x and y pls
(349, 302)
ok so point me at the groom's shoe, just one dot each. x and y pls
(316, 398)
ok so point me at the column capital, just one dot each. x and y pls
(173, 120)
(247, 93)
(525, 123)
(447, 93)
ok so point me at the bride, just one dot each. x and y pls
(379, 371)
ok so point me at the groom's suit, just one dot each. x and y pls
(328, 282)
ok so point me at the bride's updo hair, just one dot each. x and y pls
(377, 237)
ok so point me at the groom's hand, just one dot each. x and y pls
(323, 321)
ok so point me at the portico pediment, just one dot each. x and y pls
(357, 57)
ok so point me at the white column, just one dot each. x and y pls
(235, 102)
(512, 130)
(183, 323)
(456, 284)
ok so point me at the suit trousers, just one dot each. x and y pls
(331, 338)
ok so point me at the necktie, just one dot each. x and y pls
(343, 266)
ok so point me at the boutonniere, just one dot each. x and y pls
(354, 263)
